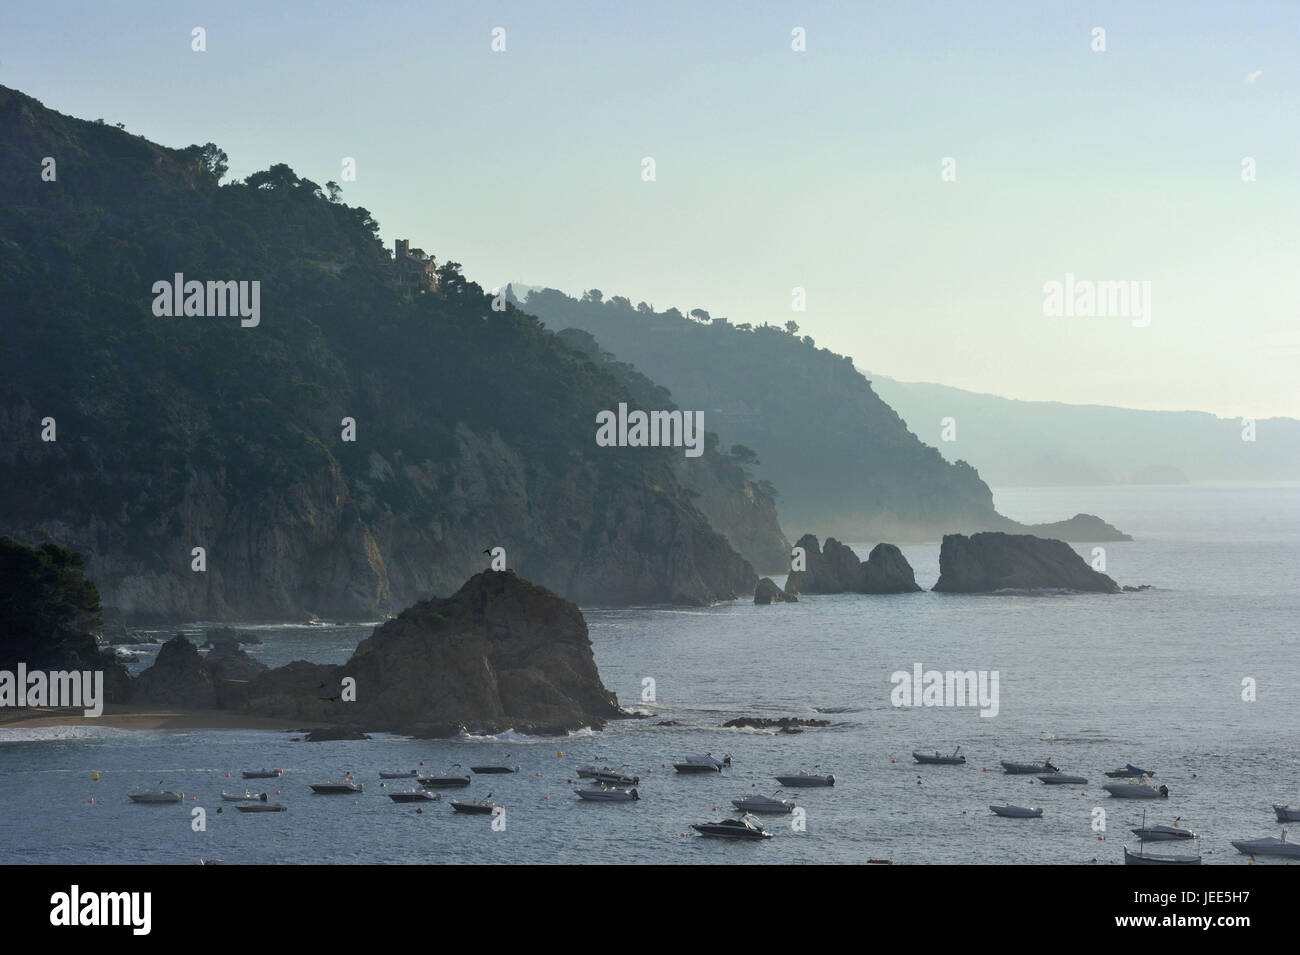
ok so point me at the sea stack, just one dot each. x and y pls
(835, 569)
(992, 561)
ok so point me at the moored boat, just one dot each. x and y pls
(416, 795)
(1061, 779)
(262, 773)
(1142, 857)
(1028, 769)
(157, 795)
(480, 807)
(746, 827)
(1138, 787)
(260, 807)
(1286, 814)
(608, 794)
(803, 778)
(703, 764)
(1017, 812)
(1268, 846)
(938, 759)
(768, 804)
(333, 787)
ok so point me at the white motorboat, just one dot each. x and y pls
(416, 795)
(746, 827)
(1061, 779)
(766, 804)
(1268, 846)
(703, 764)
(1139, 787)
(938, 759)
(481, 807)
(605, 793)
(1129, 772)
(262, 773)
(1162, 833)
(1018, 812)
(334, 788)
(157, 795)
(1286, 814)
(1142, 857)
(446, 780)
(1028, 769)
(608, 776)
(804, 778)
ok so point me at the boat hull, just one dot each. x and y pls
(443, 782)
(1059, 779)
(1131, 858)
(939, 760)
(806, 781)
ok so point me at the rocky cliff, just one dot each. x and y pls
(356, 450)
(835, 569)
(988, 562)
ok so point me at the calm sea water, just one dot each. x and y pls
(1089, 681)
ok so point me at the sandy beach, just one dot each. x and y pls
(145, 718)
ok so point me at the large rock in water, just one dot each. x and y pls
(767, 592)
(179, 677)
(501, 653)
(991, 561)
(835, 569)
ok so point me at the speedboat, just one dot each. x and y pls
(416, 795)
(446, 780)
(1162, 833)
(1142, 857)
(1028, 769)
(262, 773)
(1060, 779)
(609, 794)
(157, 795)
(260, 807)
(489, 770)
(746, 827)
(1018, 812)
(607, 776)
(1286, 814)
(759, 803)
(1140, 787)
(246, 797)
(398, 775)
(481, 807)
(1268, 846)
(1129, 771)
(334, 788)
(805, 778)
(703, 764)
(939, 759)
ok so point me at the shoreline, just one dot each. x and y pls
(119, 716)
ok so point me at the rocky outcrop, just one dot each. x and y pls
(783, 723)
(229, 662)
(767, 592)
(835, 569)
(179, 677)
(502, 653)
(1082, 528)
(991, 561)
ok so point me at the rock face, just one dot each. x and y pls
(1081, 528)
(501, 653)
(179, 677)
(767, 592)
(835, 569)
(229, 662)
(992, 561)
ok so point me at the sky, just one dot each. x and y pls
(777, 169)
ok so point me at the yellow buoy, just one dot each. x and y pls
(95, 777)
(559, 753)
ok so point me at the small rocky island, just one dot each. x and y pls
(993, 561)
(835, 569)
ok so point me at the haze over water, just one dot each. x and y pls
(1090, 681)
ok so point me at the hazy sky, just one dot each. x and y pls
(775, 168)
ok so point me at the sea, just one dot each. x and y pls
(1196, 679)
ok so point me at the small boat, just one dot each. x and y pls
(332, 788)
(608, 776)
(260, 807)
(262, 773)
(760, 803)
(1286, 814)
(1142, 857)
(1061, 779)
(481, 807)
(442, 782)
(703, 764)
(490, 770)
(1028, 769)
(1162, 833)
(398, 775)
(157, 795)
(609, 794)
(1018, 812)
(1129, 771)
(746, 827)
(416, 795)
(246, 796)
(805, 778)
(939, 759)
(1139, 787)
(1268, 846)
